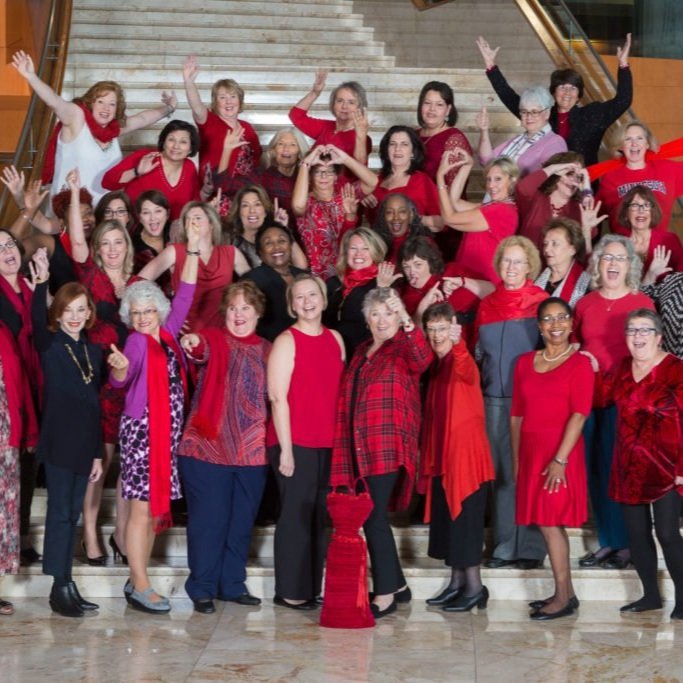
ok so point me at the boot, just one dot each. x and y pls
(79, 599)
(62, 602)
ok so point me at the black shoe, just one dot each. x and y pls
(497, 563)
(308, 605)
(246, 599)
(62, 602)
(446, 595)
(116, 551)
(318, 599)
(641, 605)
(29, 556)
(594, 559)
(94, 561)
(404, 596)
(677, 613)
(204, 606)
(84, 604)
(379, 613)
(464, 603)
(537, 604)
(567, 610)
(616, 561)
(524, 563)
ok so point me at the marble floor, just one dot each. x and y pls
(274, 644)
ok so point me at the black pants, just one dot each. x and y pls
(300, 529)
(638, 519)
(387, 575)
(65, 493)
(28, 467)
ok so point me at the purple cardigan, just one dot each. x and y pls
(136, 352)
(532, 160)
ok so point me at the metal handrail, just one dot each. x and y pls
(39, 117)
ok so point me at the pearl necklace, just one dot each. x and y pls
(552, 360)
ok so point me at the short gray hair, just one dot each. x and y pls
(378, 295)
(536, 95)
(144, 290)
(635, 265)
(646, 313)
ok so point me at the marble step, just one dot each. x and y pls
(425, 577)
(286, 7)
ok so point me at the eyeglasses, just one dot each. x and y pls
(640, 331)
(148, 312)
(119, 213)
(609, 258)
(559, 318)
(10, 244)
(513, 262)
(645, 206)
(531, 113)
(325, 173)
(567, 88)
(441, 329)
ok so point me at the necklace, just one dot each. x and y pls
(552, 360)
(91, 373)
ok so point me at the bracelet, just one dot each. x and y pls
(306, 164)
(587, 192)
(443, 187)
(192, 253)
(26, 218)
(169, 110)
(560, 462)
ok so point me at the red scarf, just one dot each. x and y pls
(210, 407)
(510, 304)
(27, 352)
(160, 427)
(669, 150)
(23, 425)
(103, 134)
(357, 278)
(413, 295)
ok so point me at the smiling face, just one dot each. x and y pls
(177, 145)
(323, 178)
(240, 317)
(358, 254)
(117, 211)
(397, 215)
(438, 333)
(145, 317)
(113, 249)
(276, 249)
(434, 110)
(514, 267)
(417, 272)
(252, 212)
(10, 256)
(566, 96)
(153, 218)
(74, 316)
(104, 108)
(383, 322)
(534, 117)
(555, 326)
(228, 104)
(634, 146)
(640, 213)
(614, 266)
(87, 218)
(557, 249)
(642, 339)
(286, 151)
(307, 300)
(497, 184)
(400, 150)
(345, 104)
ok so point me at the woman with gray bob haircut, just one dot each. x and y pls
(147, 294)
(635, 264)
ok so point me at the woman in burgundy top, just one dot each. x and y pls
(304, 372)
(647, 471)
(378, 424)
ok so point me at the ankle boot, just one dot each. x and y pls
(79, 599)
(62, 602)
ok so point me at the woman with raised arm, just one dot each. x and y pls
(229, 145)
(87, 136)
(581, 126)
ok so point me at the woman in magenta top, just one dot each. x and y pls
(304, 371)
(484, 225)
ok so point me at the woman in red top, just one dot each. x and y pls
(217, 265)
(455, 463)
(378, 424)
(552, 396)
(167, 169)
(639, 211)
(304, 372)
(647, 472)
(484, 225)
(228, 145)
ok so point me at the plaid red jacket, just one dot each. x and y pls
(386, 413)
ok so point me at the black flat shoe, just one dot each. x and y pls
(528, 564)
(318, 599)
(308, 605)
(566, 611)
(404, 596)
(29, 556)
(204, 606)
(446, 595)
(641, 605)
(464, 603)
(94, 561)
(594, 559)
(537, 604)
(615, 561)
(379, 613)
(677, 613)
(62, 602)
(84, 604)
(246, 599)
(116, 551)
(497, 563)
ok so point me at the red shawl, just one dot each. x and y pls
(358, 278)
(160, 428)
(669, 150)
(102, 134)
(510, 304)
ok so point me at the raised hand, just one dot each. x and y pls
(319, 82)
(455, 333)
(34, 196)
(148, 163)
(190, 68)
(280, 214)
(73, 180)
(590, 216)
(189, 342)
(386, 274)
(487, 53)
(23, 63)
(361, 122)
(14, 181)
(349, 200)
(169, 99)
(623, 52)
(660, 263)
(39, 267)
(234, 138)
(117, 361)
(482, 119)
(450, 284)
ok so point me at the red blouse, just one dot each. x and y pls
(384, 413)
(420, 188)
(435, 145)
(212, 132)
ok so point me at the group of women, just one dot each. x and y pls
(312, 322)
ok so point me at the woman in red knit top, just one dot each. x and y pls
(304, 370)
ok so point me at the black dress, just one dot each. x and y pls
(345, 313)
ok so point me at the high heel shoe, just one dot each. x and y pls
(116, 550)
(62, 602)
(464, 603)
(94, 561)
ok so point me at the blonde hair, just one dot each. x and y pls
(530, 251)
(302, 277)
(378, 249)
(269, 154)
(231, 86)
(214, 220)
(98, 234)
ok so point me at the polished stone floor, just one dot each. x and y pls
(274, 644)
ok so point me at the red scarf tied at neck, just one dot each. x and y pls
(357, 278)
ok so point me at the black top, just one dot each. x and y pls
(587, 124)
(345, 314)
(70, 431)
(9, 315)
(61, 267)
(276, 319)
